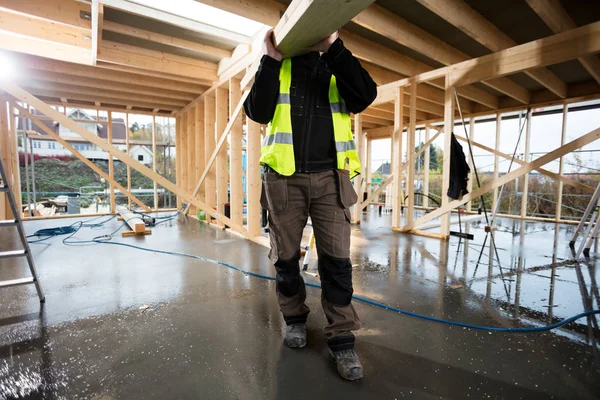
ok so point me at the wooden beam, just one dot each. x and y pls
(190, 146)
(97, 23)
(448, 131)
(199, 141)
(176, 20)
(178, 161)
(128, 152)
(376, 193)
(111, 165)
(23, 112)
(253, 182)
(538, 162)
(397, 157)
(558, 20)
(559, 187)
(222, 170)
(65, 79)
(127, 98)
(135, 223)
(461, 15)
(201, 49)
(410, 157)
(380, 133)
(64, 12)
(37, 47)
(128, 78)
(5, 156)
(25, 97)
(396, 28)
(470, 162)
(555, 49)
(426, 162)
(235, 151)
(122, 54)
(209, 147)
(524, 194)
(102, 99)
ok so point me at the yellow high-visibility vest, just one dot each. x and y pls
(277, 149)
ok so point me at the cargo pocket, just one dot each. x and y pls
(274, 194)
(348, 196)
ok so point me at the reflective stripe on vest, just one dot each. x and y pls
(277, 149)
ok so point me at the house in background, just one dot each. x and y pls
(44, 146)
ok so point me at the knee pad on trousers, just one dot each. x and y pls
(336, 279)
(288, 276)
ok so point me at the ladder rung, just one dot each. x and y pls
(8, 222)
(12, 253)
(16, 282)
(4, 188)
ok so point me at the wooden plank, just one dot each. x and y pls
(209, 146)
(222, 170)
(57, 51)
(128, 234)
(118, 53)
(526, 159)
(178, 151)
(14, 140)
(64, 12)
(128, 151)
(448, 129)
(496, 160)
(559, 186)
(97, 23)
(130, 77)
(199, 141)
(25, 97)
(410, 155)
(426, 162)
(397, 157)
(64, 79)
(461, 15)
(183, 154)
(201, 49)
(5, 156)
(134, 221)
(191, 157)
(253, 141)
(77, 154)
(154, 155)
(235, 143)
(430, 235)
(111, 165)
(538, 162)
(556, 17)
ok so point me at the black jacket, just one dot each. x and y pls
(459, 171)
(312, 126)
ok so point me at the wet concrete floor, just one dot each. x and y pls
(120, 323)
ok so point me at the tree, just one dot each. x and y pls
(436, 157)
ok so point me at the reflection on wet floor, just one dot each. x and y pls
(120, 323)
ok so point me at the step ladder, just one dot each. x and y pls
(5, 189)
(591, 215)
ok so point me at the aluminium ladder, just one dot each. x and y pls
(593, 228)
(26, 251)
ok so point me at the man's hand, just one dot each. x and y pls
(269, 47)
(325, 44)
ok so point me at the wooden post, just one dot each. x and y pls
(5, 155)
(128, 151)
(470, 161)
(496, 159)
(178, 151)
(367, 167)
(526, 159)
(199, 142)
(111, 165)
(236, 184)
(448, 130)
(559, 189)
(154, 160)
(427, 160)
(222, 171)
(397, 158)
(253, 140)
(183, 154)
(410, 157)
(14, 150)
(358, 139)
(191, 156)
(209, 147)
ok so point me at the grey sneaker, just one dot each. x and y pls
(295, 335)
(348, 364)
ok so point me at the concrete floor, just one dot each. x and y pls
(213, 333)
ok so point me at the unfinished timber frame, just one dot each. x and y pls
(75, 54)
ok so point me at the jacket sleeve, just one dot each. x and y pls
(354, 83)
(260, 104)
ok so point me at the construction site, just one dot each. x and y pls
(137, 236)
